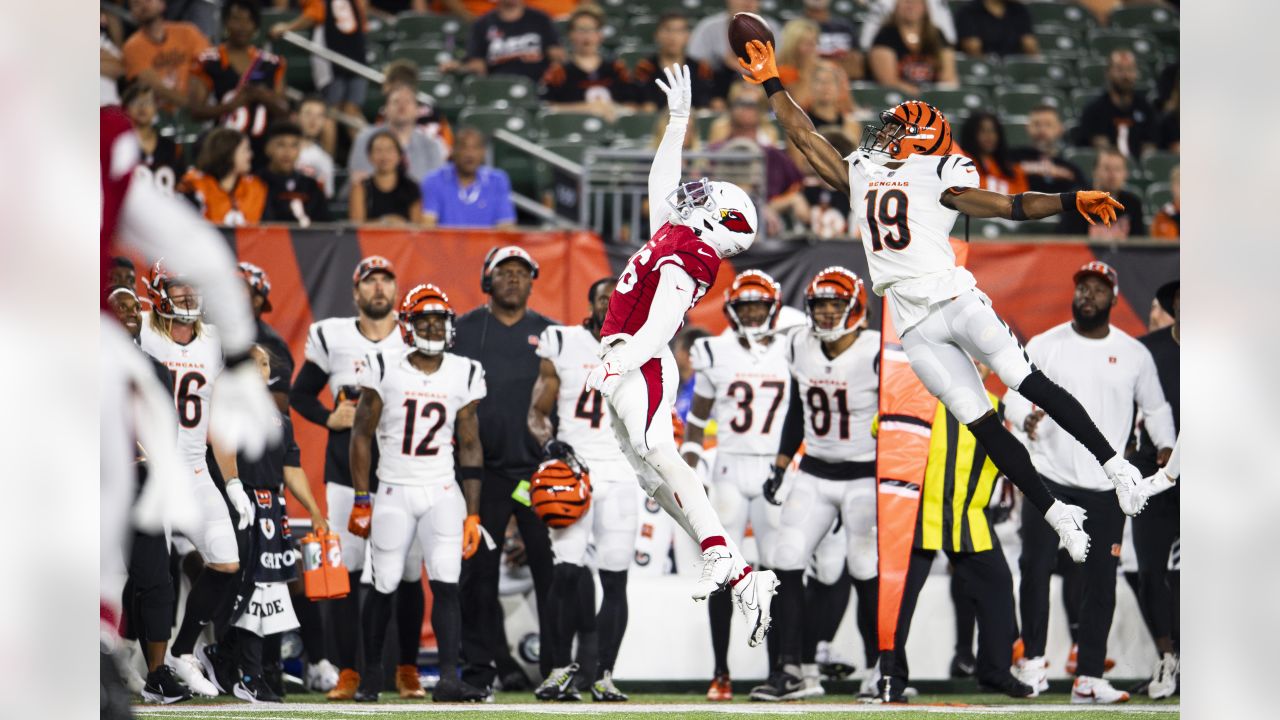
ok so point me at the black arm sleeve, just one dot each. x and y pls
(304, 396)
(793, 425)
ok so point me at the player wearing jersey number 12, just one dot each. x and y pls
(695, 225)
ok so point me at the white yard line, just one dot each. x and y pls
(291, 711)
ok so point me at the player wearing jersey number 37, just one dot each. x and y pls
(695, 225)
(907, 190)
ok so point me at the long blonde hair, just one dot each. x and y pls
(792, 33)
(162, 325)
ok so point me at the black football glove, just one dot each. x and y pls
(557, 450)
(773, 485)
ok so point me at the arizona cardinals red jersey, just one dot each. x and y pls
(672, 244)
(120, 155)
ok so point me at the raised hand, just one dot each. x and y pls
(763, 65)
(679, 90)
(1095, 202)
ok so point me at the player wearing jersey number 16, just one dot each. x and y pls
(696, 225)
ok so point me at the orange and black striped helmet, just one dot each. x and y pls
(560, 491)
(158, 282)
(426, 299)
(910, 128)
(753, 286)
(836, 283)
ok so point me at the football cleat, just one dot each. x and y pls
(1068, 522)
(891, 689)
(408, 683)
(721, 689)
(779, 686)
(717, 564)
(559, 685)
(1095, 691)
(321, 676)
(1164, 681)
(1132, 489)
(1033, 672)
(220, 669)
(603, 690)
(1009, 685)
(831, 664)
(348, 681)
(163, 687)
(255, 690)
(514, 681)
(454, 690)
(962, 668)
(811, 686)
(189, 672)
(867, 688)
(754, 596)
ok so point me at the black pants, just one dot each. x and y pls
(1154, 532)
(1105, 525)
(985, 579)
(484, 638)
(149, 597)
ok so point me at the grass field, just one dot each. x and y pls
(654, 706)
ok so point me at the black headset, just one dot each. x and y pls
(486, 281)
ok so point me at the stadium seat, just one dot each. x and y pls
(500, 91)
(1054, 13)
(1015, 133)
(876, 98)
(1143, 17)
(1037, 71)
(1082, 157)
(640, 30)
(574, 127)
(636, 126)
(976, 71)
(989, 228)
(381, 33)
(1021, 99)
(953, 102)
(1092, 73)
(487, 120)
(1058, 43)
(520, 168)
(1103, 42)
(1046, 226)
(633, 56)
(421, 54)
(575, 152)
(374, 100)
(1157, 166)
(1158, 194)
(445, 90)
(412, 27)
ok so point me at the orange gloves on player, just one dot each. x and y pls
(470, 536)
(1098, 203)
(361, 516)
(763, 65)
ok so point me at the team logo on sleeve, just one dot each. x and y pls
(735, 221)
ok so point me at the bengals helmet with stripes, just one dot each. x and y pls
(837, 283)
(421, 301)
(560, 491)
(158, 283)
(753, 286)
(911, 128)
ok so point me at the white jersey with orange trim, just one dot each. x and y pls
(584, 418)
(908, 245)
(840, 396)
(750, 390)
(415, 431)
(195, 366)
(337, 347)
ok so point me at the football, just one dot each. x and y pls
(745, 27)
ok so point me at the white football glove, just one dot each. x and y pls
(240, 501)
(679, 90)
(605, 378)
(243, 415)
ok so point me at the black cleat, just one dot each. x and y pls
(255, 690)
(275, 680)
(559, 685)
(452, 690)
(780, 684)
(603, 690)
(1007, 685)
(220, 669)
(515, 680)
(164, 688)
(962, 668)
(891, 690)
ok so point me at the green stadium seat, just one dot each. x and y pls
(421, 54)
(875, 98)
(702, 123)
(636, 126)
(374, 100)
(976, 71)
(633, 56)
(1038, 71)
(640, 30)
(989, 228)
(382, 33)
(488, 120)
(1046, 226)
(520, 168)
(955, 102)
(573, 151)
(412, 27)
(1157, 166)
(574, 127)
(1082, 157)
(271, 16)
(1021, 99)
(1058, 42)
(297, 70)
(1056, 13)
(1103, 42)
(1015, 133)
(1142, 17)
(1159, 193)
(446, 91)
(500, 91)
(1092, 73)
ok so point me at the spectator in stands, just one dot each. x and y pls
(344, 27)
(879, 12)
(829, 101)
(828, 210)
(982, 139)
(710, 42)
(433, 123)
(587, 81)
(221, 185)
(1167, 101)
(671, 38)
(388, 195)
(910, 50)
(1120, 117)
(996, 27)
(319, 136)
(468, 10)
(237, 84)
(1166, 224)
(161, 156)
(425, 153)
(1110, 173)
(838, 39)
(110, 66)
(387, 10)
(466, 192)
(292, 196)
(797, 55)
(160, 54)
(1046, 170)
(511, 40)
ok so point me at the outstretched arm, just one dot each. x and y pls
(668, 161)
(824, 158)
(978, 203)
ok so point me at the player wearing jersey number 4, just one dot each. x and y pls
(907, 189)
(695, 225)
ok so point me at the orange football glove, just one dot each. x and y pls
(763, 65)
(361, 518)
(470, 536)
(1098, 203)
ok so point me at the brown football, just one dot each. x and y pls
(745, 27)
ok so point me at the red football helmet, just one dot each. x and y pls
(426, 300)
(837, 283)
(560, 491)
(910, 128)
(159, 283)
(753, 286)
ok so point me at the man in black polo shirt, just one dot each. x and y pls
(995, 27)
(292, 197)
(503, 335)
(513, 40)
(259, 287)
(1047, 171)
(1120, 117)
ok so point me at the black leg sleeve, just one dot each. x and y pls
(374, 618)
(564, 603)
(612, 620)
(208, 594)
(446, 621)
(966, 614)
(1067, 412)
(720, 613)
(410, 607)
(868, 592)
(344, 622)
(789, 606)
(484, 637)
(1012, 458)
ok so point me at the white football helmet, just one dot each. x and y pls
(721, 213)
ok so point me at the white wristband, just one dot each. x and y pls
(235, 480)
(691, 447)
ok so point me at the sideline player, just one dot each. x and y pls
(740, 378)
(907, 189)
(335, 353)
(415, 398)
(835, 391)
(584, 429)
(698, 224)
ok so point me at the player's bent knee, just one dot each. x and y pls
(1011, 366)
(446, 564)
(863, 557)
(966, 405)
(788, 551)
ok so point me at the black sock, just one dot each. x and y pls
(310, 627)
(966, 617)
(868, 616)
(1067, 411)
(588, 654)
(563, 600)
(271, 647)
(410, 607)
(788, 605)
(720, 612)
(612, 620)
(824, 607)
(344, 623)
(446, 621)
(207, 594)
(1012, 459)
(248, 652)
(374, 618)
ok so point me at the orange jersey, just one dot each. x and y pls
(348, 15)
(475, 7)
(1165, 225)
(171, 59)
(994, 179)
(242, 206)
